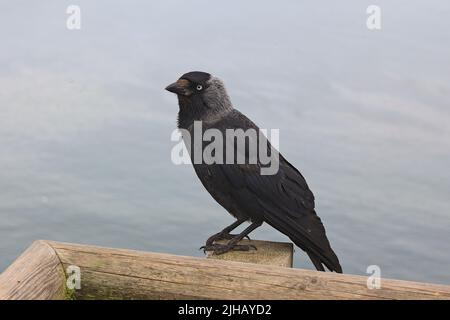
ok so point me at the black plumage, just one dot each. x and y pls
(283, 200)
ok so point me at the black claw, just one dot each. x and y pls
(203, 248)
(223, 248)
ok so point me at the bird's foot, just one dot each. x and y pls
(218, 249)
(221, 236)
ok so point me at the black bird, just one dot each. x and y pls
(283, 200)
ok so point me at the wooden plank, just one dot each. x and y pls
(126, 274)
(36, 275)
(270, 253)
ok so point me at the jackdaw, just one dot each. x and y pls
(283, 199)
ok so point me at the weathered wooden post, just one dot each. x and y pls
(36, 275)
(109, 273)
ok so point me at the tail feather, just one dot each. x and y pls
(315, 244)
(328, 258)
(317, 263)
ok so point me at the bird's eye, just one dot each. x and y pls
(199, 87)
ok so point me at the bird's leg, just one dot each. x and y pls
(233, 243)
(225, 233)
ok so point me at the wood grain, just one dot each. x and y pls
(36, 275)
(126, 274)
(270, 253)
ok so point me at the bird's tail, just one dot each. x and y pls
(320, 257)
(318, 263)
(313, 241)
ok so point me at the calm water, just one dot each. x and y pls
(85, 123)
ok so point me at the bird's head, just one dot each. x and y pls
(191, 83)
(200, 92)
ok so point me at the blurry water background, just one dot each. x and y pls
(85, 123)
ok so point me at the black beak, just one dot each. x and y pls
(181, 87)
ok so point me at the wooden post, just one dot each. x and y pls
(126, 274)
(268, 253)
(36, 275)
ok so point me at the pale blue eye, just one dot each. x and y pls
(199, 87)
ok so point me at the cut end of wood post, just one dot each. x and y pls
(36, 275)
(268, 253)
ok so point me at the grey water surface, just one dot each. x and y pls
(85, 123)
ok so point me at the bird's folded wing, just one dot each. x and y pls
(283, 199)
